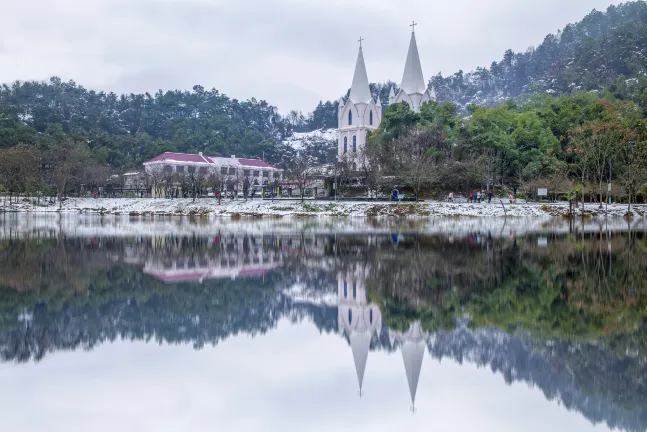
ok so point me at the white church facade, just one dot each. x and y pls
(360, 321)
(362, 113)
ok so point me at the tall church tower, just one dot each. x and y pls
(359, 114)
(358, 320)
(413, 89)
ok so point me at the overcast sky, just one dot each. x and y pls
(291, 53)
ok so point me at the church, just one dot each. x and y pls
(361, 113)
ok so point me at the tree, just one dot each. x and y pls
(301, 172)
(415, 166)
(94, 176)
(18, 168)
(218, 181)
(596, 144)
(369, 169)
(65, 161)
(246, 185)
(633, 155)
(156, 176)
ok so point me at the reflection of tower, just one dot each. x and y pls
(412, 344)
(358, 320)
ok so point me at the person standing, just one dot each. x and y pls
(451, 197)
(489, 196)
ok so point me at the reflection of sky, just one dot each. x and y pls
(291, 379)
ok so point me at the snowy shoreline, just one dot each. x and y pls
(308, 208)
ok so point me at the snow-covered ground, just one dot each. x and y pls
(280, 207)
(299, 140)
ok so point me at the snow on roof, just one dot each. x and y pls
(254, 163)
(190, 158)
(179, 157)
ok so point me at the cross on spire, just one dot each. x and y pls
(413, 26)
(360, 41)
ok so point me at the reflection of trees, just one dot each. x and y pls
(571, 314)
(588, 378)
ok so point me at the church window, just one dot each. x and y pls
(370, 118)
(354, 144)
(350, 118)
(345, 290)
(345, 145)
(354, 291)
(350, 316)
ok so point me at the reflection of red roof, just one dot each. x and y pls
(179, 157)
(254, 163)
(188, 276)
(178, 277)
(249, 272)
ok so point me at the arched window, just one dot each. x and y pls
(354, 144)
(345, 145)
(350, 118)
(350, 316)
(370, 118)
(345, 290)
(370, 316)
(354, 291)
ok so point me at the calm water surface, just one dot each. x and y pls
(186, 325)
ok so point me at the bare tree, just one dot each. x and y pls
(218, 181)
(369, 170)
(169, 179)
(634, 174)
(415, 165)
(595, 145)
(156, 175)
(301, 172)
(341, 170)
(94, 176)
(194, 181)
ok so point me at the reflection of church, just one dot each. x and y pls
(360, 321)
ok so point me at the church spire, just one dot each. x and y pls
(360, 343)
(412, 344)
(359, 91)
(413, 81)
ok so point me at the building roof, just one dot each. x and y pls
(413, 80)
(179, 157)
(200, 159)
(359, 91)
(254, 163)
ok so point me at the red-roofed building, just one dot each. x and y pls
(232, 171)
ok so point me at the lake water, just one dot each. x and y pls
(178, 324)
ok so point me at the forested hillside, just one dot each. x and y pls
(603, 50)
(606, 50)
(123, 131)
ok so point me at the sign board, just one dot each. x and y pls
(542, 242)
(609, 187)
(542, 192)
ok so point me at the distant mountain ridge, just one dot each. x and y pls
(604, 50)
